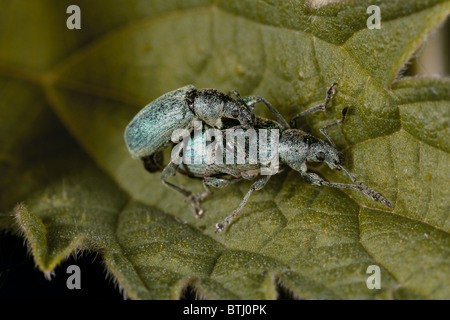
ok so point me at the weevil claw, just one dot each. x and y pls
(198, 213)
(196, 205)
(387, 203)
(219, 227)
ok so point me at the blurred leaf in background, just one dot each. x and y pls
(68, 184)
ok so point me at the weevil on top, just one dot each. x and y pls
(150, 131)
(295, 148)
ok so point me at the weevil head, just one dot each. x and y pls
(297, 147)
(236, 110)
(321, 151)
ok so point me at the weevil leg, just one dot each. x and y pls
(171, 170)
(239, 97)
(320, 107)
(200, 196)
(208, 191)
(219, 183)
(323, 130)
(258, 185)
(223, 168)
(214, 182)
(251, 101)
(316, 180)
(368, 191)
(209, 181)
(232, 172)
(154, 162)
(212, 166)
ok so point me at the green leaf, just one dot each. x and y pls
(69, 184)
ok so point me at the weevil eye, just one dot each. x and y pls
(320, 156)
(235, 113)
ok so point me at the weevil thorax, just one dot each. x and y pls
(297, 147)
(207, 105)
(211, 106)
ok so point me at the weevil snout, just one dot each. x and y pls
(335, 159)
(339, 161)
(321, 151)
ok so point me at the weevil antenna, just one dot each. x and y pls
(366, 190)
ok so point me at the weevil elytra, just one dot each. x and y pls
(295, 149)
(151, 129)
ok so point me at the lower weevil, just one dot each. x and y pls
(295, 149)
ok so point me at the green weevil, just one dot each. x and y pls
(150, 130)
(295, 149)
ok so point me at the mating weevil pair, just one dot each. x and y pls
(294, 148)
(150, 131)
